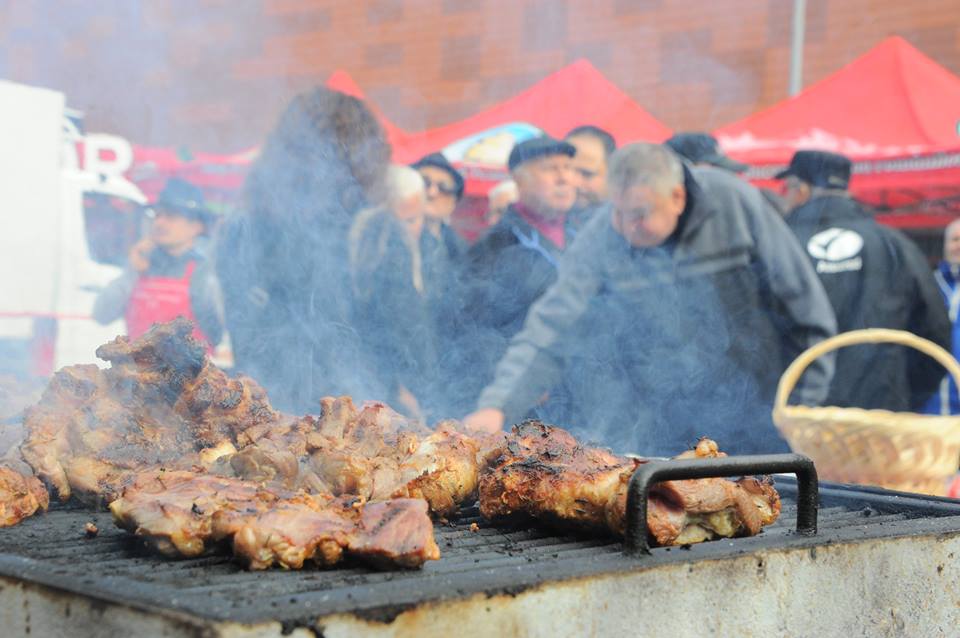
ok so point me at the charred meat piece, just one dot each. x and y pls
(172, 511)
(161, 403)
(47, 424)
(372, 453)
(380, 455)
(443, 470)
(286, 532)
(20, 496)
(543, 472)
(182, 514)
(306, 527)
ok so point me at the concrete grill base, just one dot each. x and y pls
(876, 588)
(883, 564)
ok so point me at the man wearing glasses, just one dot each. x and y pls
(704, 296)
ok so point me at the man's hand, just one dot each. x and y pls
(140, 255)
(484, 420)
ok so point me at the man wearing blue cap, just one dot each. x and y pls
(875, 277)
(167, 275)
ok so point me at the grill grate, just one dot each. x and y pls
(52, 549)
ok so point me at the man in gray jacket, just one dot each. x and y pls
(676, 309)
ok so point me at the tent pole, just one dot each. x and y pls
(796, 46)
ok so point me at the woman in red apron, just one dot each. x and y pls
(167, 277)
(159, 299)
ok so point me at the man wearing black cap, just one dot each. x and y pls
(702, 149)
(516, 260)
(168, 276)
(875, 278)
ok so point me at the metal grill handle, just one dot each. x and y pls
(656, 471)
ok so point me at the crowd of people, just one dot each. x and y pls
(641, 296)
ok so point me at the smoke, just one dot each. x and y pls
(216, 77)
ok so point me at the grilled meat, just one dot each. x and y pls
(443, 470)
(282, 489)
(372, 453)
(161, 403)
(20, 496)
(172, 511)
(543, 472)
(305, 527)
(182, 514)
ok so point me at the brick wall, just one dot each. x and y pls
(213, 74)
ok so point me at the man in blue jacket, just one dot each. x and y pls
(705, 297)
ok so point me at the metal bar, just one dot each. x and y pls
(656, 471)
(798, 34)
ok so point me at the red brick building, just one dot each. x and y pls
(212, 74)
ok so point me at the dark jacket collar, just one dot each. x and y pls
(695, 212)
(827, 209)
(515, 223)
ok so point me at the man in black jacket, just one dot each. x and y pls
(515, 261)
(875, 278)
(705, 296)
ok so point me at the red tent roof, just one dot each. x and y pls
(893, 101)
(894, 111)
(575, 95)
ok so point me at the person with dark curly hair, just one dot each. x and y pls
(283, 260)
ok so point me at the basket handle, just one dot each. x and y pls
(856, 337)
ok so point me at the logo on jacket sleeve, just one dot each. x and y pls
(836, 250)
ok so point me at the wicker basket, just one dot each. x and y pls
(896, 450)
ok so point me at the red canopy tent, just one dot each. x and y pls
(575, 95)
(894, 111)
(220, 176)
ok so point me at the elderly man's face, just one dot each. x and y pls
(547, 184)
(410, 212)
(441, 192)
(951, 244)
(590, 163)
(646, 216)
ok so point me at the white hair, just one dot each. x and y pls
(644, 164)
(951, 226)
(506, 186)
(403, 183)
